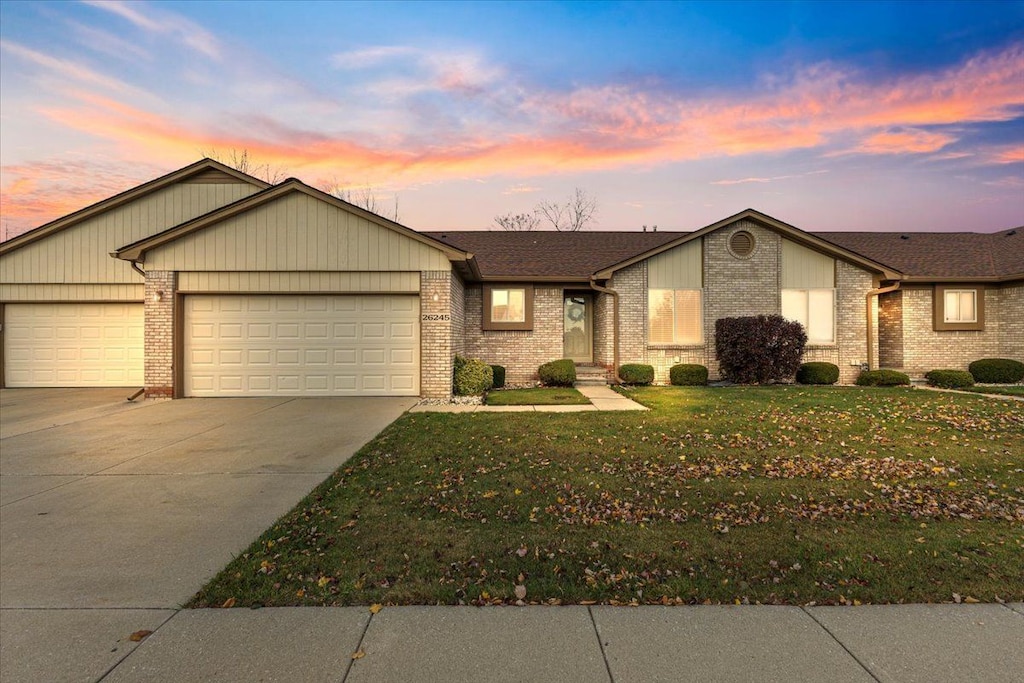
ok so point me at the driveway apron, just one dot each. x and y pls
(113, 514)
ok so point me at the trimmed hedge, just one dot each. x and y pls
(997, 370)
(818, 373)
(499, 375)
(471, 377)
(759, 349)
(882, 378)
(558, 373)
(688, 375)
(949, 379)
(636, 373)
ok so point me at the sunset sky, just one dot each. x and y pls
(829, 116)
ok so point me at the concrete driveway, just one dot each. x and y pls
(112, 513)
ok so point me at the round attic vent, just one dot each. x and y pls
(741, 244)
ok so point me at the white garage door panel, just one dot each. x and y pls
(73, 345)
(302, 345)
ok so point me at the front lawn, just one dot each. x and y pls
(772, 495)
(544, 396)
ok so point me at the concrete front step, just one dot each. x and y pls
(591, 375)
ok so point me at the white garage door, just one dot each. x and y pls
(73, 345)
(306, 345)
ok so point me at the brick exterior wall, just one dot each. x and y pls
(604, 319)
(520, 352)
(458, 306)
(738, 287)
(1011, 324)
(890, 330)
(436, 336)
(925, 349)
(158, 341)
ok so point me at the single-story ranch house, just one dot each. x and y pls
(209, 282)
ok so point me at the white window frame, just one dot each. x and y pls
(678, 339)
(805, 318)
(508, 292)
(946, 307)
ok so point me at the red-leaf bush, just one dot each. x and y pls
(759, 349)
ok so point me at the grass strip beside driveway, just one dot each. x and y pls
(1003, 390)
(544, 396)
(781, 495)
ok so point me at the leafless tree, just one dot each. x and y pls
(518, 222)
(365, 197)
(240, 160)
(576, 214)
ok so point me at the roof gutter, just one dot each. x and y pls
(615, 325)
(871, 323)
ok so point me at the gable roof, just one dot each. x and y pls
(200, 169)
(941, 255)
(136, 250)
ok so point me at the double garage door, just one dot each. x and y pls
(301, 345)
(73, 345)
(234, 345)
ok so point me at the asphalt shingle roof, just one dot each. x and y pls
(580, 254)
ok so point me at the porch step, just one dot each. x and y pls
(591, 375)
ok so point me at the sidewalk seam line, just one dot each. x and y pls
(120, 661)
(600, 645)
(80, 477)
(841, 644)
(359, 646)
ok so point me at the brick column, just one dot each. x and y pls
(436, 328)
(159, 333)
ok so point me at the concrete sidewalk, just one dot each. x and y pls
(601, 398)
(907, 643)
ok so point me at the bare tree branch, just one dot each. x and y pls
(576, 214)
(365, 197)
(241, 161)
(518, 222)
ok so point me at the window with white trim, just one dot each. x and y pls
(675, 316)
(961, 306)
(815, 309)
(508, 305)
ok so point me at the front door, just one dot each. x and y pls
(577, 330)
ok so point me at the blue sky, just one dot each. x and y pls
(830, 116)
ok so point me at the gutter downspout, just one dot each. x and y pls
(615, 325)
(871, 326)
(140, 271)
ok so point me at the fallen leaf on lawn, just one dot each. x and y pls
(358, 654)
(139, 635)
(957, 599)
(376, 607)
(230, 602)
(520, 591)
(971, 601)
(522, 551)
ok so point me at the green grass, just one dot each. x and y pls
(554, 396)
(782, 495)
(1004, 390)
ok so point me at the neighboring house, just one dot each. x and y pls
(237, 288)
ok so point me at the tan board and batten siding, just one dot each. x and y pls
(804, 268)
(678, 268)
(75, 264)
(296, 233)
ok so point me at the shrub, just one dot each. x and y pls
(759, 349)
(688, 375)
(818, 373)
(997, 370)
(636, 373)
(949, 379)
(882, 378)
(471, 377)
(558, 373)
(499, 375)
